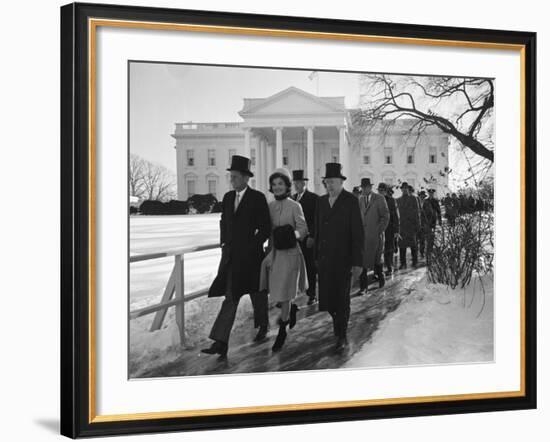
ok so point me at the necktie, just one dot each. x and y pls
(236, 200)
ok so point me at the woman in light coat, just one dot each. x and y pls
(283, 271)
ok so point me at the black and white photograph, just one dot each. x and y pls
(303, 219)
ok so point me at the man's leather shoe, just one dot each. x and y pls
(341, 343)
(217, 347)
(262, 333)
(293, 312)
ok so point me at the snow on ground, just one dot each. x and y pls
(434, 325)
(150, 234)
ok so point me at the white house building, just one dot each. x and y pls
(297, 130)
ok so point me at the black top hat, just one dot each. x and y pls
(365, 182)
(333, 170)
(422, 193)
(431, 190)
(240, 164)
(382, 186)
(298, 175)
(404, 184)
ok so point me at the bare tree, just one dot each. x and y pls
(460, 107)
(135, 177)
(149, 180)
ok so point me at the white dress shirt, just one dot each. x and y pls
(239, 197)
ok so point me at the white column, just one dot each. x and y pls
(246, 150)
(269, 162)
(180, 168)
(310, 172)
(260, 165)
(279, 147)
(343, 154)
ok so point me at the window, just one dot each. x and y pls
(366, 156)
(190, 188)
(190, 157)
(211, 157)
(335, 155)
(253, 157)
(388, 155)
(231, 153)
(433, 155)
(212, 187)
(285, 157)
(410, 155)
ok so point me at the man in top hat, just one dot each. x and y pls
(308, 201)
(422, 234)
(375, 216)
(409, 225)
(245, 225)
(338, 249)
(392, 231)
(432, 214)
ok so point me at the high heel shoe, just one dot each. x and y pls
(292, 317)
(281, 336)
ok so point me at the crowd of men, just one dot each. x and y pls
(459, 205)
(348, 234)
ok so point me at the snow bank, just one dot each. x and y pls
(434, 325)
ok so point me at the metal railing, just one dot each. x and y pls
(174, 292)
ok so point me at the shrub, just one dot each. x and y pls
(152, 207)
(176, 207)
(202, 203)
(462, 249)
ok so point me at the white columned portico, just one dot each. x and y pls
(343, 151)
(310, 172)
(278, 147)
(246, 150)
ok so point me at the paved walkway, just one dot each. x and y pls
(309, 345)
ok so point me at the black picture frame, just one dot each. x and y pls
(75, 220)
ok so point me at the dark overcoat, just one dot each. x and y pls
(339, 240)
(393, 225)
(308, 203)
(409, 220)
(375, 216)
(242, 235)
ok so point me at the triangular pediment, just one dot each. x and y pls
(292, 101)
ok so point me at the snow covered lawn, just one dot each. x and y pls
(434, 325)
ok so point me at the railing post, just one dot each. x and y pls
(180, 292)
(168, 293)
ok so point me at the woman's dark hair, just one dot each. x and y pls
(285, 179)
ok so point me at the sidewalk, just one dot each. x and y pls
(309, 345)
